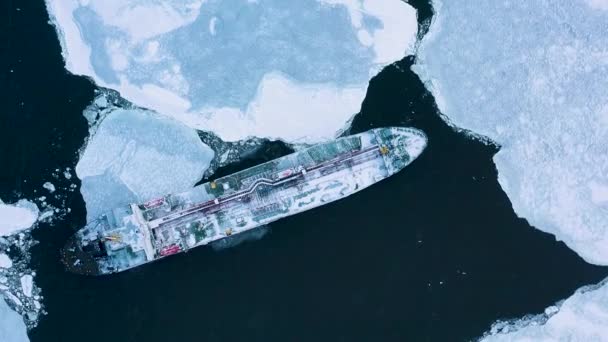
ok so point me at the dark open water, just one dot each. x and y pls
(434, 253)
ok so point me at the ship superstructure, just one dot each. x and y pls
(135, 234)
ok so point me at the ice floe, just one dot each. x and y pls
(582, 317)
(235, 67)
(49, 186)
(533, 76)
(17, 217)
(27, 284)
(135, 155)
(54, 203)
(535, 84)
(5, 261)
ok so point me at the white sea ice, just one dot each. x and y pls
(582, 317)
(536, 84)
(49, 186)
(27, 284)
(12, 328)
(277, 96)
(17, 217)
(136, 155)
(294, 70)
(5, 261)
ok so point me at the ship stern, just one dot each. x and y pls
(112, 243)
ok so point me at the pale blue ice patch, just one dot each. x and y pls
(252, 40)
(12, 328)
(94, 32)
(135, 155)
(307, 41)
(105, 192)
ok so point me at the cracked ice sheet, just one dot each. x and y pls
(136, 155)
(294, 70)
(533, 77)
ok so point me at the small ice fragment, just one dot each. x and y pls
(49, 186)
(212, 26)
(101, 101)
(224, 157)
(27, 284)
(46, 214)
(552, 310)
(5, 261)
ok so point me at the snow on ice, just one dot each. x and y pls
(269, 70)
(135, 155)
(536, 84)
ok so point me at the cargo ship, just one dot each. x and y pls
(136, 234)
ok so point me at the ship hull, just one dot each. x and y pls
(140, 233)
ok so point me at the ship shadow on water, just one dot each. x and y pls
(235, 240)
